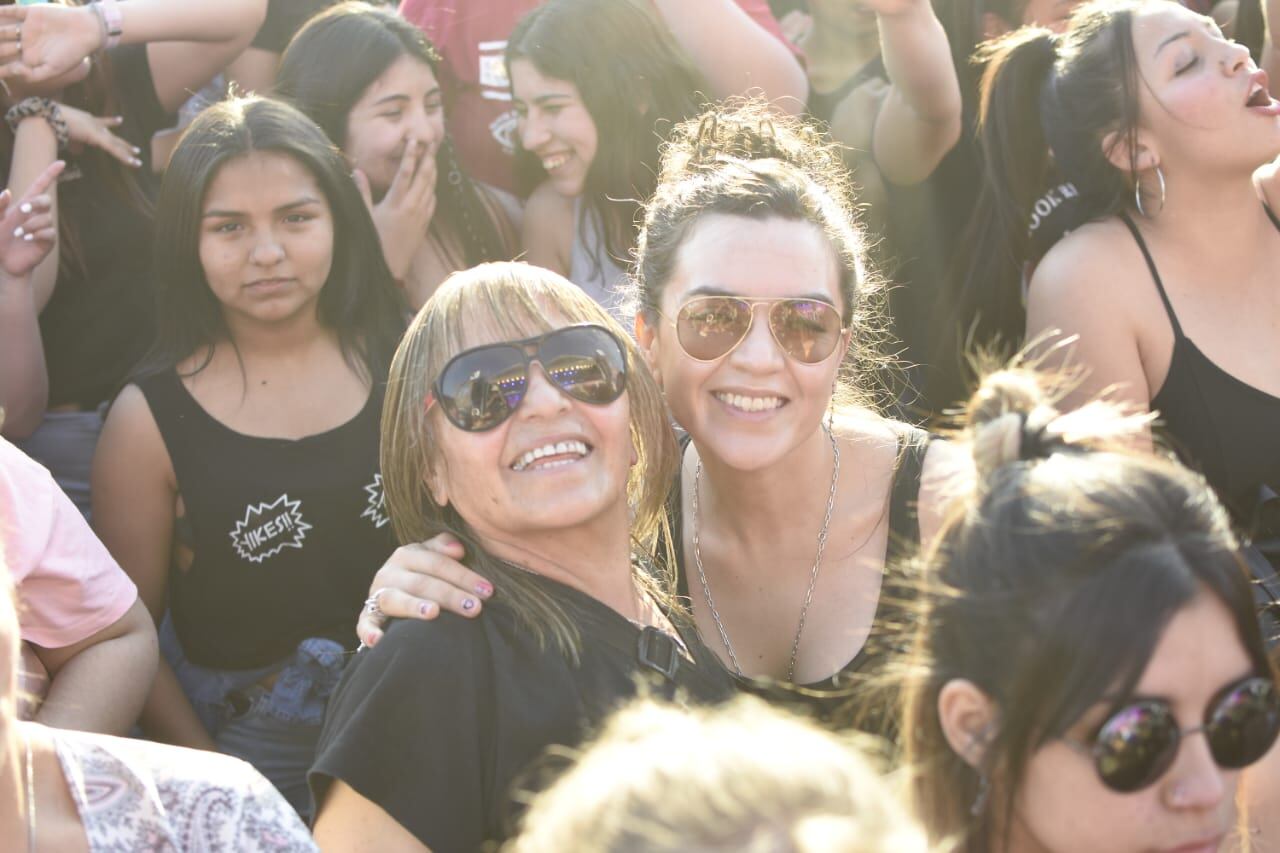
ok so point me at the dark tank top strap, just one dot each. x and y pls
(1155, 274)
(1271, 214)
(904, 516)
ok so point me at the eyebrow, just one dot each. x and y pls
(400, 96)
(214, 213)
(1171, 39)
(714, 290)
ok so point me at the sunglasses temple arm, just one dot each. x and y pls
(429, 402)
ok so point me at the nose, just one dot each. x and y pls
(758, 352)
(1195, 782)
(1238, 58)
(424, 127)
(266, 250)
(533, 132)
(542, 399)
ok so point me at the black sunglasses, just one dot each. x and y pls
(1138, 743)
(480, 388)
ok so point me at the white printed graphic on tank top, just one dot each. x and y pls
(269, 528)
(376, 511)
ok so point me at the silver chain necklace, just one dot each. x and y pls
(813, 575)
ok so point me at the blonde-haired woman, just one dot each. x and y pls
(519, 418)
(751, 777)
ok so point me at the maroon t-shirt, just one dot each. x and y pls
(471, 35)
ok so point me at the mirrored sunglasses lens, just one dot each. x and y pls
(480, 389)
(807, 330)
(586, 362)
(1244, 723)
(710, 327)
(1136, 746)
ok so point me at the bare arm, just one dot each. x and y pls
(1076, 277)
(187, 43)
(349, 823)
(99, 684)
(134, 494)
(734, 53)
(919, 120)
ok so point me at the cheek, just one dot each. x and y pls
(1063, 806)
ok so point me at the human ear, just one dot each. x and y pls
(437, 482)
(1128, 153)
(994, 26)
(968, 719)
(647, 338)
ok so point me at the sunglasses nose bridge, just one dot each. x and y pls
(1194, 779)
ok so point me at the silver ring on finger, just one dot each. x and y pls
(371, 605)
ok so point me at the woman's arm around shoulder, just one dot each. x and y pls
(1086, 306)
(547, 234)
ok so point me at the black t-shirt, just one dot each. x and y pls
(441, 721)
(100, 320)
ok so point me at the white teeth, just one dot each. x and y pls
(553, 163)
(750, 404)
(579, 449)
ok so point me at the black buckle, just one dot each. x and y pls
(658, 651)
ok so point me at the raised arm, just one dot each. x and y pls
(134, 495)
(188, 43)
(735, 53)
(919, 120)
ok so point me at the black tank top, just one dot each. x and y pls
(287, 534)
(838, 699)
(1218, 424)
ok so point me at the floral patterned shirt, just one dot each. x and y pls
(135, 795)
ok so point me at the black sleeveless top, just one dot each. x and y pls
(836, 699)
(1218, 424)
(287, 534)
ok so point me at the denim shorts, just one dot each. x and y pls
(275, 729)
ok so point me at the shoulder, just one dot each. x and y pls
(175, 791)
(1098, 264)
(504, 209)
(131, 427)
(948, 473)
(547, 205)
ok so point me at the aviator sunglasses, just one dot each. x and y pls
(711, 327)
(1139, 742)
(481, 387)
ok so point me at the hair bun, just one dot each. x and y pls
(1010, 418)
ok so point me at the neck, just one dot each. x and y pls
(295, 337)
(836, 52)
(1217, 219)
(593, 558)
(752, 506)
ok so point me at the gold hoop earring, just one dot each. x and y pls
(1137, 193)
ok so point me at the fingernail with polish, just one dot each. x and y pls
(28, 237)
(484, 590)
(26, 207)
(468, 604)
(18, 232)
(424, 610)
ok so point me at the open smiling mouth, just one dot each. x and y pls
(552, 456)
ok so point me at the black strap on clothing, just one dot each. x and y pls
(1155, 274)
(904, 497)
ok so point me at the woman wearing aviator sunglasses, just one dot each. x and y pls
(1089, 670)
(519, 419)
(757, 316)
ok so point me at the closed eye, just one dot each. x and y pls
(1187, 66)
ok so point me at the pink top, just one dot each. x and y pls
(471, 37)
(69, 587)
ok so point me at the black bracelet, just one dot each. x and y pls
(45, 108)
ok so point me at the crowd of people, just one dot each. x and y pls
(390, 458)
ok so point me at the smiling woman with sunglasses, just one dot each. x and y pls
(1089, 670)
(757, 316)
(519, 418)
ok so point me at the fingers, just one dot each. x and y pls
(405, 171)
(424, 177)
(121, 149)
(43, 181)
(392, 604)
(362, 184)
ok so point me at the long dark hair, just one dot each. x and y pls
(332, 61)
(359, 300)
(1047, 104)
(635, 81)
(1051, 585)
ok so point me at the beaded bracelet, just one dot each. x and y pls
(110, 19)
(45, 108)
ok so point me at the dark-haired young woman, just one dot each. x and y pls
(136, 61)
(1164, 127)
(597, 84)
(1088, 673)
(242, 466)
(370, 80)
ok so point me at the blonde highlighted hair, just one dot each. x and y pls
(509, 301)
